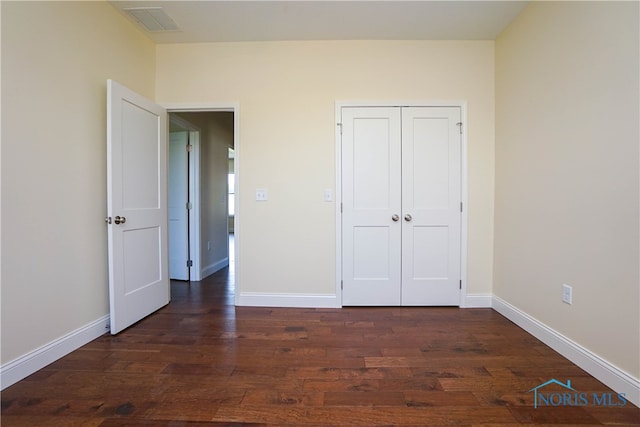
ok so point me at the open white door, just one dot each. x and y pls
(136, 206)
(178, 209)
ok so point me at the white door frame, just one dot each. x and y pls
(464, 195)
(234, 108)
(194, 195)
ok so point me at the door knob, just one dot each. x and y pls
(120, 220)
(395, 218)
(108, 220)
(407, 217)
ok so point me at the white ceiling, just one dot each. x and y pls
(264, 20)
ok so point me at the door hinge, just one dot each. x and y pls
(460, 283)
(341, 284)
(340, 207)
(189, 148)
(189, 263)
(189, 206)
(460, 206)
(340, 126)
(459, 124)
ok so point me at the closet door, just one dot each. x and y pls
(401, 189)
(371, 207)
(431, 196)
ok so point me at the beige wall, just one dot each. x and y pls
(567, 163)
(56, 58)
(287, 93)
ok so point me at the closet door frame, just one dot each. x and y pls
(339, 105)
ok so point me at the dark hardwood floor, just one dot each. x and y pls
(201, 361)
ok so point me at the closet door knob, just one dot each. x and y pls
(408, 217)
(395, 218)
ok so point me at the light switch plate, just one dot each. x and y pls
(567, 294)
(262, 195)
(328, 195)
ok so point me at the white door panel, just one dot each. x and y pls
(136, 206)
(429, 243)
(426, 149)
(141, 271)
(140, 157)
(372, 168)
(371, 248)
(371, 196)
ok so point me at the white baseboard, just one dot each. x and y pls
(612, 376)
(212, 268)
(287, 300)
(476, 301)
(22, 367)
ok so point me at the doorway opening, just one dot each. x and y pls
(204, 184)
(183, 199)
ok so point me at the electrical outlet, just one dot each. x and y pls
(567, 293)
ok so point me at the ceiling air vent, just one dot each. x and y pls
(153, 19)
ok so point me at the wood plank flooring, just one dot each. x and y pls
(201, 361)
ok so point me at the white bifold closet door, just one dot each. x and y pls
(401, 205)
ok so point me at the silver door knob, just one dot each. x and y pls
(120, 220)
(407, 217)
(395, 218)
